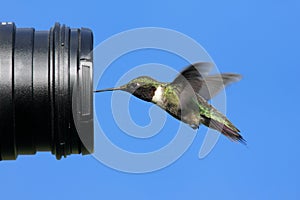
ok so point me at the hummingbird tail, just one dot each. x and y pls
(231, 132)
(233, 135)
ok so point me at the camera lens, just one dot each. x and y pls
(46, 94)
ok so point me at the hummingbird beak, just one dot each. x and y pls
(110, 89)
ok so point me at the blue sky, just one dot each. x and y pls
(259, 39)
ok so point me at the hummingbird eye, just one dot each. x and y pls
(135, 85)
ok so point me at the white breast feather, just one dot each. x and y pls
(158, 95)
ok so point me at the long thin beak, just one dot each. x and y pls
(109, 89)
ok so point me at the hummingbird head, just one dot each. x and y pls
(142, 87)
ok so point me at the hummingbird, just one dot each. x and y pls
(186, 97)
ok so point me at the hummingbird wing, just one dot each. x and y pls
(187, 82)
(194, 80)
(196, 77)
(215, 83)
(192, 75)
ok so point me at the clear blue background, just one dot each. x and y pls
(259, 39)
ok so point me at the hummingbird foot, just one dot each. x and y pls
(194, 126)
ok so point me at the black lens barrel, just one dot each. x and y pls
(46, 95)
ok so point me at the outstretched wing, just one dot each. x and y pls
(212, 85)
(195, 76)
(194, 80)
(192, 75)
